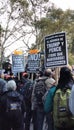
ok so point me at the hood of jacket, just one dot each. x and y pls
(14, 95)
(43, 78)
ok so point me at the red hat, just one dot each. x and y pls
(24, 74)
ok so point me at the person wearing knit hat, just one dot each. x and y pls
(47, 98)
(25, 74)
(13, 107)
(24, 77)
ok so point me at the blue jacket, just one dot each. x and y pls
(48, 104)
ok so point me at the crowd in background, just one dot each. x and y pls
(26, 106)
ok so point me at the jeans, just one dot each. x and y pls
(49, 120)
(28, 119)
(40, 119)
(41, 115)
(34, 113)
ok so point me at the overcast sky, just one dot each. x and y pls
(64, 4)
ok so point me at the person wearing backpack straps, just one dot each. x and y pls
(26, 91)
(37, 102)
(38, 94)
(63, 119)
(39, 76)
(14, 107)
(27, 99)
(47, 101)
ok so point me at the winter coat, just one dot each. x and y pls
(12, 118)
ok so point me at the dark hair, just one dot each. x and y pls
(65, 77)
(40, 73)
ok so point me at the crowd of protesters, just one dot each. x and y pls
(25, 107)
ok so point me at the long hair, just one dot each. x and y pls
(65, 78)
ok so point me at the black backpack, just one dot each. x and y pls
(22, 89)
(40, 89)
(13, 102)
(28, 91)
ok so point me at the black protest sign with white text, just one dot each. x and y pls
(17, 63)
(55, 50)
(33, 62)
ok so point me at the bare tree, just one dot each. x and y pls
(14, 22)
(18, 19)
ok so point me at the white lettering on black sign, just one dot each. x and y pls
(55, 50)
(33, 62)
(17, 63)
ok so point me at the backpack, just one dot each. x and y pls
(22, 89)
(40, 89)
(44, 96)
(13, 104)
(61, 114)
(28, 91)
